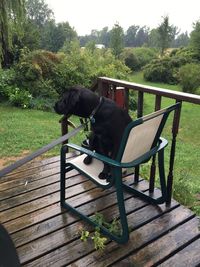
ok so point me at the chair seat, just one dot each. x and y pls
(91, 170)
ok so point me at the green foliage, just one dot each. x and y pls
(84, 66)
(166, 69)
(34, 73)
(160, 70)
(117, 40)
(190, 77)
(55, 35)
(11, 15)
(195, 38)
(166, 34)
(38, 12)
(44, 75)
(136, 58)
(84, 235)
(6, 83)
(20, 98)
(100, 241)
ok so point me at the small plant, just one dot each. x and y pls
(84, 235)
(96, 237)
(99, 241)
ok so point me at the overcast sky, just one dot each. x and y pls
(85, 15)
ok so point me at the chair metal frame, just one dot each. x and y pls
(116, 165)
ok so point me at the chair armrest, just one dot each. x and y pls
(93, 154)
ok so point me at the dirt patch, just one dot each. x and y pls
(9, 160)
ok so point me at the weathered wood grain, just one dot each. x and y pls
(138, 238)
(46, 235)
(188, 257)
(164, 246)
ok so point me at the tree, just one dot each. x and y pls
(117, 40)
(11, 13)
(195, 37)
(153, 38)
(182, 40)
(55, 35)
(166, 34)
(38, 12)
(104, 36)
(142, 36)
(130, 37)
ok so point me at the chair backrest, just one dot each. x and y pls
(143, 134)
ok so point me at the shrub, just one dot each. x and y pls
(44, 75)
(83, 67)
(136, 58)
(6, 83)
(20, 98)
(160, 70)
(190, 77)
(35, 72)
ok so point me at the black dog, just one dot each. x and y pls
(108, 121)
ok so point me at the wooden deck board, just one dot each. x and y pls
(46, 235)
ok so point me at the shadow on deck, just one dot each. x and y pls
(45, 235)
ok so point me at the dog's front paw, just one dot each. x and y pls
(87, 160)
(102, 175)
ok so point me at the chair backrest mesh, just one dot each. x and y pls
(142, 136)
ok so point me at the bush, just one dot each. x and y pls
(6, 83)
(85, 66)
(166, 69)
(20, 98)
(35, 72)
(190, 77)
(136, 58)
(160, 70)
(43, 75)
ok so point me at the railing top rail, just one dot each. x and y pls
(180, 96)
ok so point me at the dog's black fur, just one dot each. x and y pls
(109, 125)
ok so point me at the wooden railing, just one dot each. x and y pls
(104, 85)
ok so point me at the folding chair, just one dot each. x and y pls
(141, 141)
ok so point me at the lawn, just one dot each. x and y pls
(24, 131)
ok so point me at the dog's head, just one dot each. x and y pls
(68, 101)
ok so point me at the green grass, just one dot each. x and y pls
(24, 130)
(187, 161)
(28, 130)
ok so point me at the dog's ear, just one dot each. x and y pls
(72, 98)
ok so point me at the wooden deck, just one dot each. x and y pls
(45, 235)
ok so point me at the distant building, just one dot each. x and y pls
(100, 46)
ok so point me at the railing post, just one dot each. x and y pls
(139, 114)
(103, 88)
(175, 127)
(126, 99)
(153, 165)
(64, 127)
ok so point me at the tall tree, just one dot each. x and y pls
(117, 40)
(38, 12)
(142, 36)
(153, 38)
(130, 37)
(181, 40)
(166, 34)
(11, 13)
(195, 37)
(55, 35)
